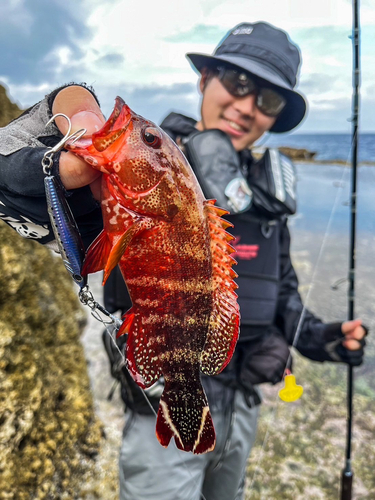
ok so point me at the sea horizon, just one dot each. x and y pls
(333, 146)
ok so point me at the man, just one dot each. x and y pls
(248, 88)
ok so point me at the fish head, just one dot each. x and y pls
(146, 168)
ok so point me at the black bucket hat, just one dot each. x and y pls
(268, 53)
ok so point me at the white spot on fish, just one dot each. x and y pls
(91, 161)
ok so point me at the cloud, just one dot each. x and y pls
(152, 101)
(32, 33)
(137, 50)
(201, 33)
(111, 58)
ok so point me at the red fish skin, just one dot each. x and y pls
(174, 255)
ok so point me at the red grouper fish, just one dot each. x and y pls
(173, 251)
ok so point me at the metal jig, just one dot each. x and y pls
(66, 230)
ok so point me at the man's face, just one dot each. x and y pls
(238, 117)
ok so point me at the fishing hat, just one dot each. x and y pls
(267, 53)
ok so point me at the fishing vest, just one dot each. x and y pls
(257, 244)
(258, 195)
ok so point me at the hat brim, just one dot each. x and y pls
(296, 106)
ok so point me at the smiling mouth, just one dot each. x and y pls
(235, 126)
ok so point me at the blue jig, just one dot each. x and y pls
(65, 229)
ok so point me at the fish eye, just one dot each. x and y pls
(152, 137)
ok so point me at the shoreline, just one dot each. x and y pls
(305, 156)
(339, 163)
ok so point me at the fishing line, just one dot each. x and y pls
(300, 322)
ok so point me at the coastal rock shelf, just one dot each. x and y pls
(298, 154)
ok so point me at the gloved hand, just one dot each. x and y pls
(346, 342)
(81, 107)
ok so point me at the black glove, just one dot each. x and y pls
(265, 360)
(335, 349)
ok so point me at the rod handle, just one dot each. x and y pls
(346, 484)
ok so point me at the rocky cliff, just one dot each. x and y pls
(8, 109)
(50, 438)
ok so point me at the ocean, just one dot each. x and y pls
(323, 192)
(329, 147)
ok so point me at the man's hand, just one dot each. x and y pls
(349, 346)
(354, 333)
(81, 107)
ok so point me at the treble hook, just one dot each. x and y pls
(47, 158)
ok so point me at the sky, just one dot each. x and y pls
(136, 49)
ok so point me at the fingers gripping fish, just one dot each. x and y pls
(174, 253)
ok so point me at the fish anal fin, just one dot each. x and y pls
(97, 254)
(142, 359)
(223, 328)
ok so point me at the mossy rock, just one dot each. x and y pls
(8, 109)
(49, 434)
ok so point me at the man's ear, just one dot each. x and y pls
(204, 79)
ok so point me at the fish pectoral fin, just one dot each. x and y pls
(118, 250)
(97, 254)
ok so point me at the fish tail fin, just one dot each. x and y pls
(190, 425)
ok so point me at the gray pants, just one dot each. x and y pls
(149, 471)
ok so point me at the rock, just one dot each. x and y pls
(49, 434)
(297, 154)
(8, 109)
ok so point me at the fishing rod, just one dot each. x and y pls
(347, 473)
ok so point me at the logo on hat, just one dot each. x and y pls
(243, 31)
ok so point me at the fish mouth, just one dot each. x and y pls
(116, 125)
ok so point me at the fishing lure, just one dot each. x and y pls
(65, 229)
(64, 226)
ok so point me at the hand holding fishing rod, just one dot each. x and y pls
(347, 473)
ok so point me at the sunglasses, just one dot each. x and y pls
(241, 84)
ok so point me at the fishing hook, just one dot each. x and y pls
(47, 158)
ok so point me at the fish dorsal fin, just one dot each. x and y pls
(224, 320)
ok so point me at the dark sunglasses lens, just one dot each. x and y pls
(238, 84)
(270, 102)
